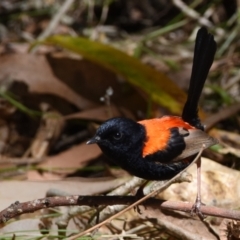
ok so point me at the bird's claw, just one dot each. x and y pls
(139, 194)
(196, 209)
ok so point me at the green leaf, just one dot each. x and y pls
(158, 86)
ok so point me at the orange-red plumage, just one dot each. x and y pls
(158, 132)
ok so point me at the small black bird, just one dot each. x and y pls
(160, 148)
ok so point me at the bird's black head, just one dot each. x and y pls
(119, 137)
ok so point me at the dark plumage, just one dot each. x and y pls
(158, 149)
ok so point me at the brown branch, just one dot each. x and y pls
(17, 209)
(221, 115)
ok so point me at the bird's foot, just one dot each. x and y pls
(139, 194)
(196, 209)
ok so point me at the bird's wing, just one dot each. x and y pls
(195, 140)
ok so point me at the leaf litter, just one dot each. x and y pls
(60, 95)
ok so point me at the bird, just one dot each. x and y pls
(160, 148)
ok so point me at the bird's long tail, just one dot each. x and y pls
(205, 48)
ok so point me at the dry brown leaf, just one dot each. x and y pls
(76, 80)
(91, 81)
(179, 225)
(36, 72)
(74, 158)
(98, 114)
(219, 186)
(101, 113)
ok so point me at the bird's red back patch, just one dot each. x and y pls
(158, 132)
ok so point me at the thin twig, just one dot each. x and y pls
(17, 209)
(104, 14)
(55, 20)
(192, 13)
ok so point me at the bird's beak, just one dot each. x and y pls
(93, 140)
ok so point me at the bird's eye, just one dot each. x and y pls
(117, 135)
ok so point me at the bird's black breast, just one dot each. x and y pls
(158, 166)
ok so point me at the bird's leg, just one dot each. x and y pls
(140, 194)
(196, 208)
